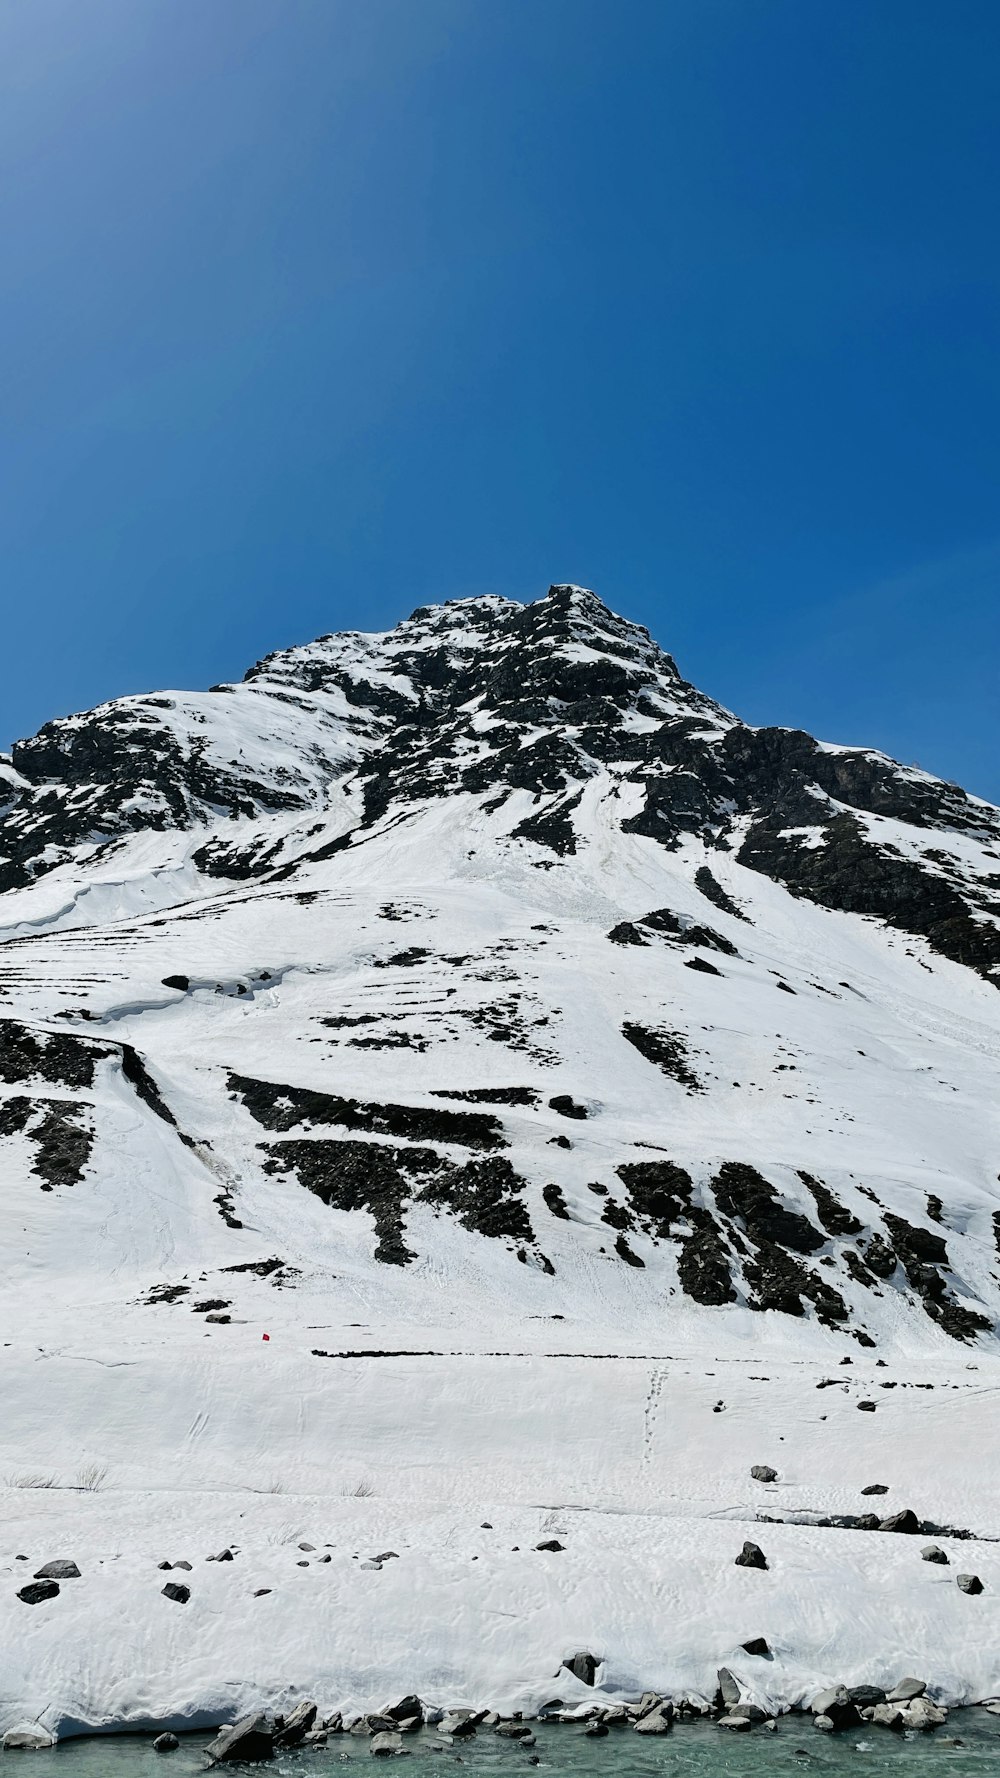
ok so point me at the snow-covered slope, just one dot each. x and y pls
(480, 991)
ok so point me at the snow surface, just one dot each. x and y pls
(577, 1403)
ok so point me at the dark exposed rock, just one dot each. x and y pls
(61, 1569)
(833, 1215)
(250, 1739)
(166, 1743)
(666, 1050)
(713, 891)
(757, 1645)
(745, 1195)
(905, 1522)
(567, 1106)
(762, 1472)
(968, 1583)
(296, 1725)
(177, 1591)
(751, 1556)
(282, 1108)
(37, 1591)
(933, 1552)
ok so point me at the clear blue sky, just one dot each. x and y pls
(315, 310)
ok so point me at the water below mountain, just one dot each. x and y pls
(970, 1744)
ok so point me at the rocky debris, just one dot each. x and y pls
(27, 1737)
(656, 1721)
(252, 1738)
(968, 1583)
(905, 1690)
(888, 1716)
(459, 1723)
(834, 1709)
(291, 1729)
(922, 1714)
(667, 1050)
(37, 1591)
(177, 1591)
(408, 1710)
(567, 1106)
(166, 1743)
(583, 1666)
(751, 1556)
(386, 1742)
(932, 1552)
(58, 1570)
(905, 1522)
(762, 1472)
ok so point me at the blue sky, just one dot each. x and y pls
(316, 310)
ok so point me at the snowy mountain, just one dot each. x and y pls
(479, 991)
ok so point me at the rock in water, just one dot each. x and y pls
(296, 1725)
(252, 1738)
(751, 1556)
(387, 1741)
(657, 1721)
(165, 1743)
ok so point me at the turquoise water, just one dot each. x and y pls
(692, 1751)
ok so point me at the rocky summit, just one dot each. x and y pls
(499, 1158)
(491, 944)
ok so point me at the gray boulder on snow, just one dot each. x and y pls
(906, 1522)
(751, 1556)
(932, 1552)
(968, 1583)
(762, 1472)
(177, 1591)
(61, 1570)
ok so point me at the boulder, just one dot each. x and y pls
(296, 1725)
(38, 1590)
(757, 1645)
(458, 1723)
(513, 1731)
(751, 1556)
(737, 1723)
(27, 1737)
(647, 1702)
(836, 1704)
(762, 1472)
(177, 1591)
(166, 1743)
(597, 1728)
(729, 1687)
(866, 1696)
(583, 1666)
(61, 1570)
(223, 1556)
(966, 1583)
(922, 1714)
(905, 1690)
(252, 1738)
(407, 1708)
(906, 1521)
(866, 1407)
(888, 1716)
(825, 1723)
(656, 1721)
(875, 1488)
(386, 1742)
(932, 1552)
(868, 1522)
(552, 1544)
